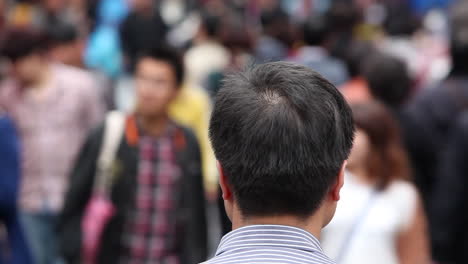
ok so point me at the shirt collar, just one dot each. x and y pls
(269, 236)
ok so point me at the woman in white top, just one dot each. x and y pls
(379, 218)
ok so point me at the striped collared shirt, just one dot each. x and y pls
(269, 244)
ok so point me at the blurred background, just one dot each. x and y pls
(409, 55)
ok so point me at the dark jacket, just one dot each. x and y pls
(450, 200)
(191, 220)
(429, 122)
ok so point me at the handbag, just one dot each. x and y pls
(100, 209)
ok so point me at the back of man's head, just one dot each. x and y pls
(388, 79)
(316, 30)
(281, 133)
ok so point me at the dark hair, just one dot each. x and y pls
(356, 55)
(169, 55)
(62, 33)
(235, 34)
(315, 30)
(210, 23)
(400, 21)
(388, 160)
(388, 79)
(18, 43)
(459, 41)
(281, 133)
(273, 17)
(276, 23)
(343, 16)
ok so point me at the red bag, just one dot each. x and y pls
(98, 213)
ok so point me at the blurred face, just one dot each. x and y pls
(27, 69)
(361, 149)
(69, 54)
(142, 4)
(156, 87)
(54, 5)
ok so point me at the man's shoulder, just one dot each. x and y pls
(289, 259)
(74, 76)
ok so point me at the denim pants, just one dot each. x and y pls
(41, 235)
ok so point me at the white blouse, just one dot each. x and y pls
(374, 239)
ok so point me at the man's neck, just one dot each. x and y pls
(154, 126)
(312, 224)
(39, 86)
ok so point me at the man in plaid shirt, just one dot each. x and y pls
(156, 184)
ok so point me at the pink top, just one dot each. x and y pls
(52, 130)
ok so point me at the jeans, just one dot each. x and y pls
(41, 235)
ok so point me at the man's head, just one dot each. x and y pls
(209, 25)
(316, 31)
(158, 77)
(25, 50)
(276, 23)
(66, 46)
(388, 79)
(281, 134)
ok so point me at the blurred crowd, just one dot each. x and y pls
(66, 64)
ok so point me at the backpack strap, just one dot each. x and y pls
(113, 132)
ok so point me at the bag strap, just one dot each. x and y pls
(113, 132)
(346, 244)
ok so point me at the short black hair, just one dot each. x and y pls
(281, 133)
(62, 33)
(355, 57)
(459, 39)
(388, 78)
(17, 43)
(273, 17)
(316, 30)
(169, 55)
(210, 23)
(400, 20)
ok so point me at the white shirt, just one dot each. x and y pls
(374, 240)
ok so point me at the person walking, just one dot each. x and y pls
(156, 207)
(380, 218)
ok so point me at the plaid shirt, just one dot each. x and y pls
(151, 232)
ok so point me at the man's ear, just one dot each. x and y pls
(336, 188)
(225, 188)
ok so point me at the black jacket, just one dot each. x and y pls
(437, 155)
(450, 200)
(191, 219)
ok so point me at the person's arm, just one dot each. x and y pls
(413, 242)
(93, 104)
(76, 199)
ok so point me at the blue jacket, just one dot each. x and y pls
(9, 180)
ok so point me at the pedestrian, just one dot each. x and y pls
(380, 218)
(53, 106)
(155, 182)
